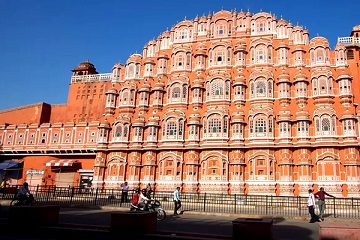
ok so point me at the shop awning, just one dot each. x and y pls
(8, 164)
(60, 163)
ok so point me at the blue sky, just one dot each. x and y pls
(41, 41)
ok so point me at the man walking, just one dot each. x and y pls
(177, 202)
(320, 195)
(311, 206)
(124, 192)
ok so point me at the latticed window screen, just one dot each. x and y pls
(260, 125)
(214, 125)
(171, 128)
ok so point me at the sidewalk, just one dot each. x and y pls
(98, 220)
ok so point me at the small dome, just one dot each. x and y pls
(281, 22)
(238, 116)
(319, 41)
(149, 60)
(303, 115)
(140, 121)
(283, 77)
(241, 13)
(163, 55)
(134, 58)
(240, 46)
(240, 80)
(198, 82)
(159, 85)
(195, 117)
(145, 87)
(118, 65)
(85, 68)
(300, 77)
(347, 114)
(112, 91)
(284, 115)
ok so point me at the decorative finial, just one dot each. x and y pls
(260, 10)
(185, 18)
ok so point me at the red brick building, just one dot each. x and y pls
(230, 102)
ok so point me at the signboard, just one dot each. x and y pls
(35, 172)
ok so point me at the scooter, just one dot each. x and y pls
(151, 206)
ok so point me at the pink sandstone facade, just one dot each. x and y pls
(232, 102)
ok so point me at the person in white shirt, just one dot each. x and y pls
(143, 200)
(177, 202)
(124, 192)
(311, 206)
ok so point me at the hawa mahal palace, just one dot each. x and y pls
(231, 102)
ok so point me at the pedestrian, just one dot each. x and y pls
(177, 202)
(320, 195)
(311, 206)
(149, 191)
(3, 186)
(124, 192)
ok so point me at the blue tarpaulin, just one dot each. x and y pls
(8, 164)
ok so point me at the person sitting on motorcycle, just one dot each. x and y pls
(24, 195)
(135, 198)
(143, 200)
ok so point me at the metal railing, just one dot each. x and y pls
(285, 206)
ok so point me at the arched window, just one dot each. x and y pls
(171, 128)
(325, 124)
(176, 92)
(118, 131)
(260, 88)
(214, 125)
(217, 88)
(260, 126)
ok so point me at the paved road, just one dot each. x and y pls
(188, 222)
(206, 224)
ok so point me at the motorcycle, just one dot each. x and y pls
(22, 200)
(151, 206)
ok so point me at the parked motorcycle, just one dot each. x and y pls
(151, 206)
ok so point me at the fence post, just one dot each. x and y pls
(266, 205)
(48, 194)
(72, 194)
(299, 204)
(205, 202)
(235, 203)
(334, 205)
(96, 196)
(37, 190)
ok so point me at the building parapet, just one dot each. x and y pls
(91, 78)
(349, 41)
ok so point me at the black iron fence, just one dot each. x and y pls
(287, 206)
